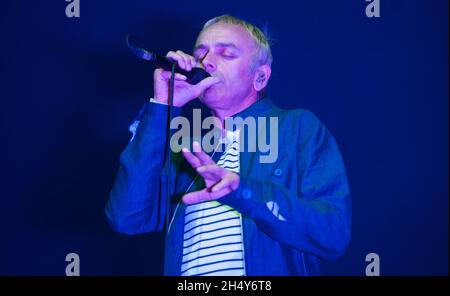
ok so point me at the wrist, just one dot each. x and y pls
(159, 99)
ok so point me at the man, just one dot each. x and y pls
(230, 213)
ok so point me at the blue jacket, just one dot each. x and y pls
(307, 184)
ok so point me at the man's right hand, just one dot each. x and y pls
(183, 91)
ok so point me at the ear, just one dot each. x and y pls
(261, 77)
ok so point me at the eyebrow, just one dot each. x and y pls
(219, 44)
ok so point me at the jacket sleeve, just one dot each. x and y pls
(316, 219)
(137, 201)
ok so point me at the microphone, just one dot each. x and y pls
(193, 77)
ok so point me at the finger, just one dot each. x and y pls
(197, 63)
(228, 183)
(193, 61)
(186, 59)
(166, 75)
(191, 158)
(212, 171)
(177, 58)
(206, 83)
(204, 158)
(222, 184)
(199, 196)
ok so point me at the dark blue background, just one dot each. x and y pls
(69, 89)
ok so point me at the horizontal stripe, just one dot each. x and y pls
(230, 157)
(215, 266)
(204, 215)
(210, 255)
(232, 169)
(208, 264)
(225, 272)
(230, 165)
(211, 234)
(213, 242)
(214, 222)
(203, 240)
(211, 251)
(235, 255)
(203, 205)
(209, 247)
(230, 161)
(211, 219)
(213, 226)
(199, 210)
(231, 152)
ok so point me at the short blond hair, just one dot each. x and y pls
(263, 55)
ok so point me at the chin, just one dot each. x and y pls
(210, 97)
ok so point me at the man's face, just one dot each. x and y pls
(226, 51)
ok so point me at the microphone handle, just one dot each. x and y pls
(193, 77)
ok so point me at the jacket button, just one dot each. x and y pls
(278, 172)
(246, 193)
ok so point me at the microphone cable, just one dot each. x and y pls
(168, 158)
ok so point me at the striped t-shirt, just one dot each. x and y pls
(213, 238)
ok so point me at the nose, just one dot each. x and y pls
(208, 63)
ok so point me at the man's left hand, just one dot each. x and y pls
(219, 181)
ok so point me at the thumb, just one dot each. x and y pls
(205, 83)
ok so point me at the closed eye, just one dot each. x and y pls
(228, 55)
